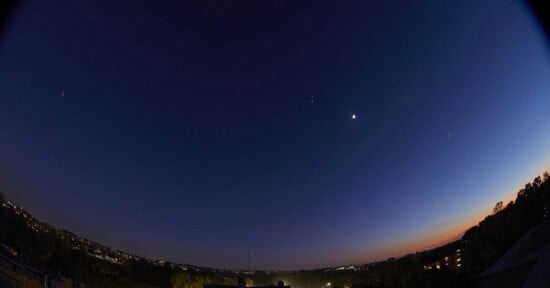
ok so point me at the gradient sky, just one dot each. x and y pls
(187, 132)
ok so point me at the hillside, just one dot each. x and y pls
(457, 264)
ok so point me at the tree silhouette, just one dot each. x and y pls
(480, 247)
(498, 207)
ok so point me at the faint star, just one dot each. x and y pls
(449, 135)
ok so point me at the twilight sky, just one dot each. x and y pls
(194, 132)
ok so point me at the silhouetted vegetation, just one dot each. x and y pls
(480, 247)
(488, 241)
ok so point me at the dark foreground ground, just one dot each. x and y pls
(35, 254)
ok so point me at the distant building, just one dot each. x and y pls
(358, 285)
(242, 284)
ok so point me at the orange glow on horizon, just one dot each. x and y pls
(443, 236)
(438, 238)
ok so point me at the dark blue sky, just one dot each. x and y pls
(187, 131)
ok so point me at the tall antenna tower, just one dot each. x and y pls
(248, 259)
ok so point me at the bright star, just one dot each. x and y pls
(353, 116)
